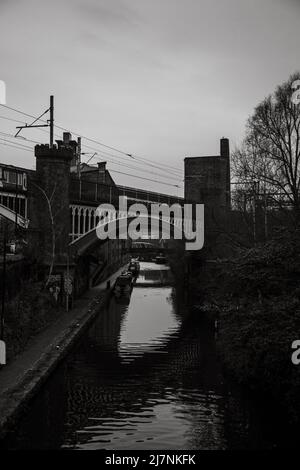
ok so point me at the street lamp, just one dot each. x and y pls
(2, 343)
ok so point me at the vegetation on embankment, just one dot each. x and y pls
(27, 314)
(256, 298)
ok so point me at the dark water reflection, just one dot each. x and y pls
(152, 273)
(146, 376)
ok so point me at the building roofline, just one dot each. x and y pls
(203, 156)
(6, 165)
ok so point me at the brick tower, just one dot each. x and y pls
(207, 181)
(52, 192)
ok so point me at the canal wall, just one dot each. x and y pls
(20, 380)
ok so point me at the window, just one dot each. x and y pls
(12, 177)
(22, 207)
(24, 181)
(11, 203)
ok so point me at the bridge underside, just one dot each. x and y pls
(113, 231)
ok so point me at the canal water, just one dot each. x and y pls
(145, 376)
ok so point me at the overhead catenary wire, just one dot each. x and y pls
(13, 120)
(127, 154)
(115, 157)
(19, 144)
(20, 138)
(111, 162)
(162, 167)
(32, 123)
(15, 146)
(146, 171)
(138, 160)
(147, 179)
(23, 122)
(137, 168)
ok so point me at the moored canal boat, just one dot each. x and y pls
(134, 267)
(123, 284)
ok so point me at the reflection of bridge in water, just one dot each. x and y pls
(119, 390)
(161, 277)
(114, 386)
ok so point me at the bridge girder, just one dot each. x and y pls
(13, 217)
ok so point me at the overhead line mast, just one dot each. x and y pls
(50, 122)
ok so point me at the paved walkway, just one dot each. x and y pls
(20, 379)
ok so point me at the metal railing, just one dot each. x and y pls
(83, 190)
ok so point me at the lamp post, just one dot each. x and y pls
(16, 204)
(3, 288)
(2, 343)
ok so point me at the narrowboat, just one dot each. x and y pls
(123, 284)
(134, 268)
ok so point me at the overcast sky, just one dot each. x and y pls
(162, 79)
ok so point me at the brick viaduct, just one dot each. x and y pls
(57, 204)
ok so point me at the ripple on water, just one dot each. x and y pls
(140, 379)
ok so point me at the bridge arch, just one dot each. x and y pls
(87, 240)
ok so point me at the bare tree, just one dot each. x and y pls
(269, 159)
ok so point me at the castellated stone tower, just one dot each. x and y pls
(52, 191)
